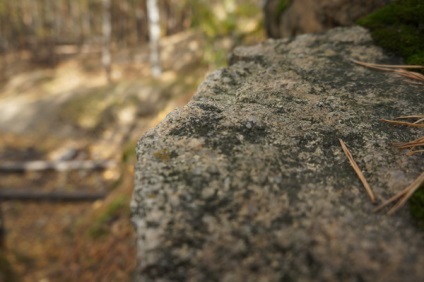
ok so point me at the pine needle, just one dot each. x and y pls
(420, 118)
(403, 195)
(358, 171)
(386, 67)
(419, 121)
(399, 69)
(410, 74)
(403, 123)
(414, 145)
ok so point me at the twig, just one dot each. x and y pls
(403, 195)
(358, 171)
(60, 166)
(13, 195)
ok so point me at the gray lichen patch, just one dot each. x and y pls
(248, 182)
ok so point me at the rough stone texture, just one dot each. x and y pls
(248, 182)
(306, 16)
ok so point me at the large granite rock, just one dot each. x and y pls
(284, 18)
(248, 182)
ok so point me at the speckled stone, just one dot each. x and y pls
(248, 182)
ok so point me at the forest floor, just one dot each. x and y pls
(69, 112)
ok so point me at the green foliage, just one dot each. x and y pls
(235, 19)
(210, 23)
(416, 206)
(399, 28)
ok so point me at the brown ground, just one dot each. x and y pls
(84, 241)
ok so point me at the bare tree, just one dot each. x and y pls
(107, 31)
(154, 34)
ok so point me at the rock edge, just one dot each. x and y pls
(248, 181)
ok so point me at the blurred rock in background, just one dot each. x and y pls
(285, 18)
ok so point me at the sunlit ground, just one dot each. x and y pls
(46, 112)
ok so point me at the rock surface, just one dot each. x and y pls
(306, 16)
(248, 182)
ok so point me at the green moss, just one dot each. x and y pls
(163, 155)
(6, 270)
(418, 58)
(416, 206)
(282, 5)
(85, 109)
(399, 28)
(128, 153)
(117, 207)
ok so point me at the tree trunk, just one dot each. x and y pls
(107, 31)
(154, 34)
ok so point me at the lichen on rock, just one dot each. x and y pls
(255, 185)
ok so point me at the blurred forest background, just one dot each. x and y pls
(80, 82)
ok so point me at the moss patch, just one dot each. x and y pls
(282, 5)
(85, 109)
(416, 206)
(163, 155)
(399, 28)
(128, 153)
(6, 270)
(113, 211)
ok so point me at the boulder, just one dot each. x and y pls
(248, 182)
(284, 18)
